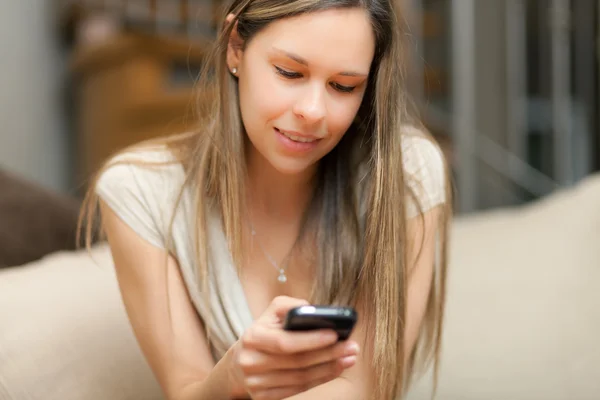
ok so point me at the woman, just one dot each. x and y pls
(304, 184)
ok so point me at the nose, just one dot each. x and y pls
(311, 106)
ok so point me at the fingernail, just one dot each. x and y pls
(351, 349)
(329, 336)
(348, 361)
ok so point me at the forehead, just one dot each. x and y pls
(336, 38)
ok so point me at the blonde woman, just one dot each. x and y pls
(305, 183)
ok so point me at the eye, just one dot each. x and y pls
(288, 74)
(342, 88)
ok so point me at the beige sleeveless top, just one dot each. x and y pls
(145, 197)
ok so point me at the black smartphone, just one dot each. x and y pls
(306, 318)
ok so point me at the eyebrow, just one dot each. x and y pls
(302, 61)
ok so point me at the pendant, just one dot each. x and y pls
(282, 278)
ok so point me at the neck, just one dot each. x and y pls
(273, 194)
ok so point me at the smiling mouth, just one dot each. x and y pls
(300, 139)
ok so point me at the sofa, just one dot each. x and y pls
(32, 214)
(522, 320)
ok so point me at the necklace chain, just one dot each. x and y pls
(282, 278)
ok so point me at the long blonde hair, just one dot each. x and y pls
(361, 261)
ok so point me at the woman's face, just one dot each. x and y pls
(301, 82)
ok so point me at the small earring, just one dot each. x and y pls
(234, 70)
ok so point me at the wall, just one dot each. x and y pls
(33, 138)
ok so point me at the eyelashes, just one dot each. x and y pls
(342, 88)
(288, 74)
(296, 75)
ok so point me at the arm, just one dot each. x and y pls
(354, 383)
(176, 348)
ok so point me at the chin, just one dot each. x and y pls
(292, 167)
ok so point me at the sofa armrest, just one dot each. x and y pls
(35, 221)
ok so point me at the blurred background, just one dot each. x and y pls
(509, 87)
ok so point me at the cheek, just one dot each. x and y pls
(341, 116)
(261, 98)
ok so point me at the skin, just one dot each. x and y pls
(310, 98)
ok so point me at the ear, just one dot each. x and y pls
(234, 46)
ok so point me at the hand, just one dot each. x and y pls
(271, 363)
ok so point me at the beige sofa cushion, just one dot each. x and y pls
(64, 334)
(523, 309)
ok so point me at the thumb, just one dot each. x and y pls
(281, 305)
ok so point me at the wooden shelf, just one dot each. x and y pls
(139, 16)
(125, 93)
(161, 48)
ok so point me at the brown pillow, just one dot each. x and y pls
(33, 221)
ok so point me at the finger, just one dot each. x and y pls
(345, 363)
(318, 382)
(255, 362)
(317, 357)
(281, 305)
(278, 341)
(297, 377)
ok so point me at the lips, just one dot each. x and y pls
(298, 137)
(295, 143)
